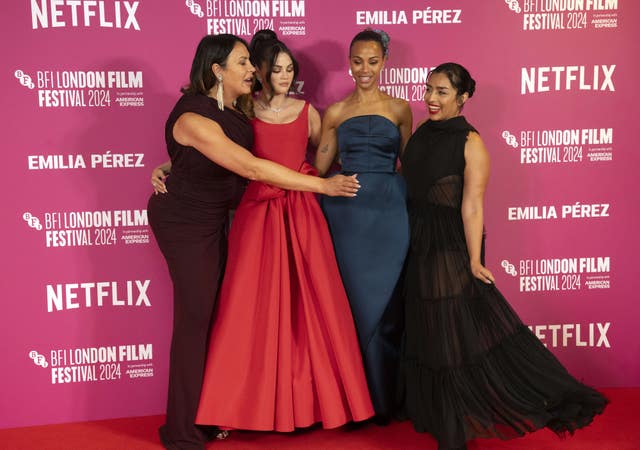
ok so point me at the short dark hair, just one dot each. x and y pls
(458, 76)
(211, 50)
(264, 49)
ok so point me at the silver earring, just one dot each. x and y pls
(220, 94)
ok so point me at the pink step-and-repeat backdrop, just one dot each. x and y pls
(88, 84)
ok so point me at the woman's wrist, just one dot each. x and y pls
(323, 184)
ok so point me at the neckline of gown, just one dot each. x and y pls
(457, 123)
(368, 115)
(284, 123)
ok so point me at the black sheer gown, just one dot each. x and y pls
(470, 367)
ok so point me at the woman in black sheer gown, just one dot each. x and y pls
(470, 367)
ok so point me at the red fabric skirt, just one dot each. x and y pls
(283, 350)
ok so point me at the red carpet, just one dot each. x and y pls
(616, 429)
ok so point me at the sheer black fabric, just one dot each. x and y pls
(470, 367)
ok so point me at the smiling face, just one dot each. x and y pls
(237, 73)
(282, 74)
(366, 60)
(442, 100)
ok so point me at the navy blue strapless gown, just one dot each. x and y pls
(371, 236)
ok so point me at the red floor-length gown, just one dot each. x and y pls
(283, 350)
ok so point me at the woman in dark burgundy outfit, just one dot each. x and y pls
(207, 138)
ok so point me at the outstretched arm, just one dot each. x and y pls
(207, 137)
(476, 176)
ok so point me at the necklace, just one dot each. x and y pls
(274, 110)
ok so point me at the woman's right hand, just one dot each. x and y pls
(341, 186)
(158, 177)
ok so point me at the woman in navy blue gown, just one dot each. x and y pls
(371, 231)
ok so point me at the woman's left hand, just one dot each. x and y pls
(482, 273)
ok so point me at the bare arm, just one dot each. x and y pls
(208, 138)
(403, 112)
(476, 176)
(165, 167)
(328, 147)
(315, 127)
(406, 123)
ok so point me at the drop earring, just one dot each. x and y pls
(220, 94)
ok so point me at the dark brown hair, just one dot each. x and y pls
(211, 50)
(458, 76)
(371, 35)
(264, 49)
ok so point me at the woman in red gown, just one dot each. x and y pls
(283, 351)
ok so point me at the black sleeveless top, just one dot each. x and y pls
(434, 153)
(433, 166)
(195, 176)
